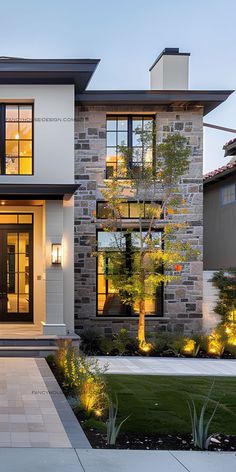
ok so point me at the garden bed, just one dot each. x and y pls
(179, 442)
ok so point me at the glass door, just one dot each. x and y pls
(16, 273)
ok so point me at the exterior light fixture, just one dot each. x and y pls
(56, 253)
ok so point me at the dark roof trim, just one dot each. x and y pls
(208, 99)
(169, 52)
(218, 177)
(36, 191)
(47, 71)
(230, 148)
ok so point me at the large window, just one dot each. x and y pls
(16, 147)
(127, 210)
(108, 299)
(228, 194)
(128, 131)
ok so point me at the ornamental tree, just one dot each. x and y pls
(156, 250)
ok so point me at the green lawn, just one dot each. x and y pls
(159, 403)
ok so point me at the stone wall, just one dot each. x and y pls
(183, 297)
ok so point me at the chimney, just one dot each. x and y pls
(170, 70)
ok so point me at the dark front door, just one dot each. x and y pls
(16, 273)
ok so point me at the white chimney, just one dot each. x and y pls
(170, 71)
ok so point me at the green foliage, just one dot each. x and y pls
(83, 376)
(90, 342)
(176, 346)
(225, 281)
(113, 429)
(201, 424)
(121, 341)
(152, 260)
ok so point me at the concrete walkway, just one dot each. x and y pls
(33, 409)
(82, 460)
(168, 366)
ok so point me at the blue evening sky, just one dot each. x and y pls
(128, 35)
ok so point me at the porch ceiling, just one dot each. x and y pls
(36, 191)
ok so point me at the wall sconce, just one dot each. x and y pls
(56, 253)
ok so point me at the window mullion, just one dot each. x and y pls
(2, 139)
(130, 138)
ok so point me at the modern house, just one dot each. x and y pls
(58, 143)
(219, 223)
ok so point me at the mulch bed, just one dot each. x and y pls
(182, 442)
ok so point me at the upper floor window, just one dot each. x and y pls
(228, 194)
(128, 131)
(16, 129)
(127, 210)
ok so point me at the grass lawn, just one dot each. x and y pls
(159, 403)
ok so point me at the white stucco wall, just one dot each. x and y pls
(210, 297)
(53, 131)
(170, 73)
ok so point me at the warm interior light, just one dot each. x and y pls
(17, 136)
(56, 253)
(3, 203)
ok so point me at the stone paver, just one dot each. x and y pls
(33, 409)
(169, 366)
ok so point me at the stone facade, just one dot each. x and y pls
(182, 297)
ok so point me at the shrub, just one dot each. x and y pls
(217, 341)
(121, 341)
(191, 347)
(84, 376)
(67, 361)
(176, 345)
(92, 387)
(90, 342)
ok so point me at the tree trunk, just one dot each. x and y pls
(141, 322)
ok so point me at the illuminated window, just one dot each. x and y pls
(16, 145)
(228, 194)
(128, 132)
(128, 210)
(108, 299)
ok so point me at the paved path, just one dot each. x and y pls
(91, 460)
(33, 409)
(169, 366)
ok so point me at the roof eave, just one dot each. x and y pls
(48, 71)
(218, 177)
(209, 100)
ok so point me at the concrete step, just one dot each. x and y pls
(27, 351)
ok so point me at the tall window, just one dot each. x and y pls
(16, 128)
(128, 131)
(229, 194)
(108, 299)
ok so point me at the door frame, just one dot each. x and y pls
(7, 317)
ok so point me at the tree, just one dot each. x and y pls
(225, 281)
(155, 249)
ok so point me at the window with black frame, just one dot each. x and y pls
(108, 299)
(128, 210)
(16, 139)
(129, 132)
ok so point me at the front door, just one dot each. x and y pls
(16, 273)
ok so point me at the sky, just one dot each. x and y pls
(128, 35)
